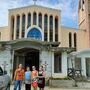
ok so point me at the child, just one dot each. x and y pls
(28, 79)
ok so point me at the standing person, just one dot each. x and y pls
(34, 75)
(18, 77)
(28, 79)
(41, 81)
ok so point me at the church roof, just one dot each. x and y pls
(37, 6)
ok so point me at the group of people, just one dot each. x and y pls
(34, 78)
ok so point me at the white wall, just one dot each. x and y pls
(47, 56)
(83, 55)
(5, 56)
(63, 74)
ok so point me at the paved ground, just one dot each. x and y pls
(47, 88)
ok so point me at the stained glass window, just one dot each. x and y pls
(35, 34)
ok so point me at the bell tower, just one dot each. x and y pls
(84, 18)
(82, 14)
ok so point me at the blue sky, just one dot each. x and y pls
(69, 10)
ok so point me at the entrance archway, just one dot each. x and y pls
(26, 57)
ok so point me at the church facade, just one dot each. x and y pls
(34, 36)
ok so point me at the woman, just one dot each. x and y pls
(34, 75)
(28, 79)
(41, 82)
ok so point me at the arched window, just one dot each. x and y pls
(34, 18)
(56, 28)
(23, 25)
(40, 20)
(51, 28)
(29, 20)
(18, 27)
(35, 34)
(75, 40)
(45, 27)
(12, 26)
(70, 39)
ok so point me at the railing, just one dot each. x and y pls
(75, 74)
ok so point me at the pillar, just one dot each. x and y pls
(31, 19)
(43, 25)
(53, 29)
(15, 27)
(37, 20)
(20, 34)
(26, 21)
(64, 64)
(48, 29)
(59, 29)
(83, 63)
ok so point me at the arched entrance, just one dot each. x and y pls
(27, 57)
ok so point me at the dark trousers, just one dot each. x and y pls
(27, 86)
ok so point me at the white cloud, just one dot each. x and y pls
(68, 8)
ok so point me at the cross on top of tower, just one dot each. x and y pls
(35, 2)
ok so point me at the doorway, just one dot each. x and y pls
(26, 57)
(88, 67)
(32, 59)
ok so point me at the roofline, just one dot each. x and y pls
(69, 27)
(33, 5)
(29, 39)
(3, 26)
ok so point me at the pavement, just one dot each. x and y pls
(48, 88)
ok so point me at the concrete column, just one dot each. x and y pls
(20, 33)
(43, 26)
(31, 19)
(59, 29)
(37, 20)
(52, 64)
(12, 69)
(53, 29)
(64, 63)
(15, 21)
(83, 63)
(26, 22)
(48, 28)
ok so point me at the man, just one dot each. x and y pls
(18, 77)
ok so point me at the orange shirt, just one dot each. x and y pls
(34, 74)
(19, 74)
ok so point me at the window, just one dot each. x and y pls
(23, 25)
(57, 63)
(78, 63)
(35, 34)
(75, 40)
(12, 26)
(29, 20)
(56, 29)
(70, 40)
(40, 20)
(45, 27)
(51, 28)
(34, 18)
(18, 27)
(81, 3)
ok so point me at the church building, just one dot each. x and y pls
(34, 36)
